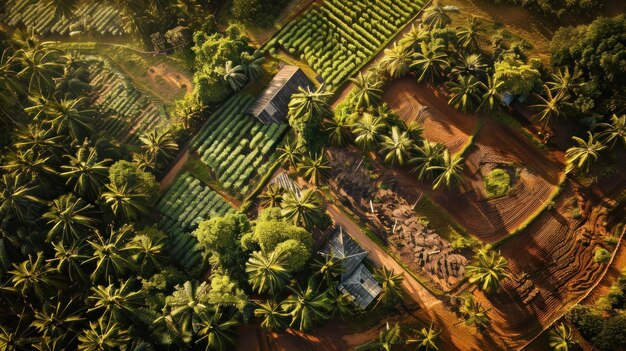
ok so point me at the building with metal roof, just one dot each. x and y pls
(273, 104)
(283, 181)
(356, 280)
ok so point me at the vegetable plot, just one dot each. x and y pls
(338, 37)
(186, 203)
(236, 146)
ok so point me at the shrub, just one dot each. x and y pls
(601, 256)
(497, 182)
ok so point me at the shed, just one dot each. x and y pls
(273, 104)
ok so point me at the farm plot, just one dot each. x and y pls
(184, 205)
(130, 112)
(237, 147)
(93, 17)
(337, 37)
(418, 102)
(552, 262)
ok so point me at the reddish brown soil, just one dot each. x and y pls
(442, 123)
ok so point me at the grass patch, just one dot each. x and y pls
(290, 60)
(497, 182)
(444, 225)
(510, 121)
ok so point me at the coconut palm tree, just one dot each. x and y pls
(235, 76)
(613, 132)
(368, 132)
(310, 103)
(17, 198)
(272, 197)
(39, 68)
(216, 330)
(69, 259)
(306, 210)
(450, 171)
(475, 313)
(340, 303)
(145, 162)
(414, 37)
(548, 107)
(28, 163)
(35, 277)
(492, 98)
(414, 129)
(103, 335)
(427, 155)
(328, 268)
(391, 284)
(70, 217)
(438, 16)
(366, 91)
(470, 34)
(338, 130)
(397, 147)
(126, 203)
(289, 154)
(39, 139)
(315, 169)
(584, 154)
(19, 337)
(471, 64)
(488, 270)
(111, 257)
(562, 82)
(75, 79)
(149, 253)
(272, 316)
(426, 339)
(267, 272)
(465, 93)
(306, 307)
(561, 338)
(58, 317)
(159, 144)
(397, 61)
(117, 304)
(70, 116)
(386, 341)
(251, 64)
(86, 171)
(431, 62)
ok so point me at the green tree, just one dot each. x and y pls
(438, 16)
(517, 77)
(86, 171)
(470, 34)
(217, 330)
(111, 256)
(306, 307)
(39, 67)
(488, 270)
(115, 303)
(366, 91)
(307, 110)
(397, 147)
(561, 338)
(368, 132)
(294, 242)
(391, 284)
(428, 155)
(149, 252)
(289, 154)
(71, 117)
(159, 144)
(35, 277)
(475, 313)
(450, 171)
(58, 317)
(492, 98)
(267, 272)
(272, 197)
(17, 198)
(306, 210)
(338, 129)
(315, 169)
(465, 93)
(426, 338)
(431, 62)
(235, 76)
(584, 154)
(69, 259)
(613, 132)
(397, 61)
(103, 336)
(386, 341)
(549, 107)
(126, 203)
(471, 64)
(70, 217)
(271, 315)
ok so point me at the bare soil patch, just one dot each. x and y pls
(419, 102)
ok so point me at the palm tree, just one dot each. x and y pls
(251, 64)
(306, 306)
(40, 139)
(112, 258)
(70, 217)
(414, 129)
(17, 198)
(451, 171)
(549, 107)
(187, 304)
(235, 76)
(561, 338)
(289, 154)
(338, 130)
(397, 147)
(103, 336)
(117, 304)
(563, 82)
(31, 165)
(414, 37)
(271, 315)
(35, 277)
(613, 132)
(70, 116)
(313, 104)
(145, 162)
(584, 154)
(397, 61)
(126, 203)
(70, 258)
(469, 35)
(58, 317)
(19, 337)
(86, 171)
(438, 16)
(391, 284)
(315, 169)
(428, 154)
(366, 91)
(471, 64)
(386, 341)
(267, 272)
(217, 330)
(465, 93)
(159, 144)
(431, 62)
(368, 132)
(475, 313)
(488, 270)
(328, 268)
(39, 67)
(341, 303)
(305, 210)
(75, 79)
(426, 339)
(492, 97)
(272, 197)
(149, 253)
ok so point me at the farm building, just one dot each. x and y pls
(273, 104)
(356, 279)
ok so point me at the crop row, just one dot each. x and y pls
(337, 37)
(236, 146)
(90, 16)
(186, 203)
